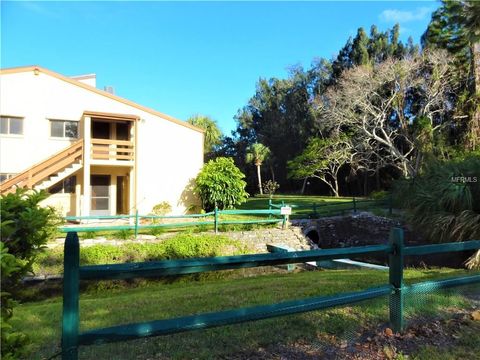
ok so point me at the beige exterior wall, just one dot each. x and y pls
(169, 155)
(65, 204)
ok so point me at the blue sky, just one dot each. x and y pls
(183, 58)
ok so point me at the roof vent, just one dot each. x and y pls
(109, 89)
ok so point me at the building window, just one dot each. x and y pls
(5, 176)
(66, 186)
(10, 125)
(64, 129)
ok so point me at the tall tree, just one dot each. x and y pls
(360, 48)
(390, 108)
(258, 153)
(323, 159)
(455, 26)
(213, 134)
(280, 117)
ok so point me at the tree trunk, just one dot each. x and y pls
(377, 177)
(304, 185)
(474, 125)
(272, 172)
(365, 183)
(259, 180)
(335, 182)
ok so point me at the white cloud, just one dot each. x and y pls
(399, 16)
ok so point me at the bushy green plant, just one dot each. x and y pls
(162, 208)
(25, 229)
(270, 186)
(220, 183)
(185, 245)
(13, 342)
(156, 231)
(443, 202)
(123, 234)
(379, 195)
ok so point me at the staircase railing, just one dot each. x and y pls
(44, 169)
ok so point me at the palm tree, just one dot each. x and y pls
(455, 26)
(213, 134)
(258, 153)
(443, 203)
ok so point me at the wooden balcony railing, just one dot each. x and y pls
(106, 149)
(44, 169)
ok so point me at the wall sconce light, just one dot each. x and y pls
(36, 71)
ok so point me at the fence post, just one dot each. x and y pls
(395, 262)
(136, 224)
(354, 206)
(216, 220)
(70, 317)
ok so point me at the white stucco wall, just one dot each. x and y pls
(169, 155)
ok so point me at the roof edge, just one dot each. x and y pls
(34, 68)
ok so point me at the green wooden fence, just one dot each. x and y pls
(330, 208)
(396, 251)
(273, 212)
(135, 225)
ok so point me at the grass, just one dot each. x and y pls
(159, 301)
(307, 206)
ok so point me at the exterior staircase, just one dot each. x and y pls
(52, 180)
(48, 172)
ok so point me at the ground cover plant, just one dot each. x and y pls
(180, 246)
(157, 301)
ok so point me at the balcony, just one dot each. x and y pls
(106, 151)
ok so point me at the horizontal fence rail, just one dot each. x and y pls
(395, 289)
(274, 213)
(136, 226)
(190, 266)
(208, 320)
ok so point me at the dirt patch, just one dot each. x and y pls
(378, 344)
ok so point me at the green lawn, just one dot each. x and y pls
(101, 308)
(306, 205)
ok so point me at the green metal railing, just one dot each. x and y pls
(337, 207)
(396, 251)
(215, 222)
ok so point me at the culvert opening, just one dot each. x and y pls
(313, 236)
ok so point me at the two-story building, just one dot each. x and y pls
(95, 152)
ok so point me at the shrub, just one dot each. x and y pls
(123, 234)
(220, 183)
(156, 231)
(270, 187)
(25, 228)
(162, 209)
(443, 202)
(180, 246)
(378, 195)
